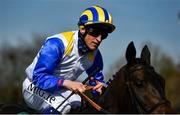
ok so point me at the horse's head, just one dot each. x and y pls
(145, 86)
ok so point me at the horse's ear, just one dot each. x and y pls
(130, 52)
(145, 55)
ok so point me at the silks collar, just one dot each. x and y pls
(83, 48)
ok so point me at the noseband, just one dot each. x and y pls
(136, 101)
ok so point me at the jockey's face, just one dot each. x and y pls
(94, 36)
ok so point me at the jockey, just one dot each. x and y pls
(52, 75)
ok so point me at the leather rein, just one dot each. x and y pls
(95, 105)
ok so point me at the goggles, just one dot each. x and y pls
(96, 31)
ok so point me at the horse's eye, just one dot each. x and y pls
(139, 83)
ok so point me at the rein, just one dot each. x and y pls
(96, 106)
(73, 92)
(134, 98)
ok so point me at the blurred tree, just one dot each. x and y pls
(167, 66)
(178, 17)
(13, 62)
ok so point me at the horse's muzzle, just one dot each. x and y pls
(164, 108)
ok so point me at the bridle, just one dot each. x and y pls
(136, 101)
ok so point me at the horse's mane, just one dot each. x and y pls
(116, 89)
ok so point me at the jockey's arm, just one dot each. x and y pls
(48, 58)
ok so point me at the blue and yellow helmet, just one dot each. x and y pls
(96, 15)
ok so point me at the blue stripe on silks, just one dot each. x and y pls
(49, 57)
(106, 14)
(95, 14)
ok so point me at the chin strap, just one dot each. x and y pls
(83, 48)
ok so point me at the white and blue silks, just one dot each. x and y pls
(59, 59)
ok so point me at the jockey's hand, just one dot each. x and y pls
(74, 85)
(98, 87)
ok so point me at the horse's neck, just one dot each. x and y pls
(116, 98)
(109, 100)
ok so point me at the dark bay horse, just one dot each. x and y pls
(136, 87)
